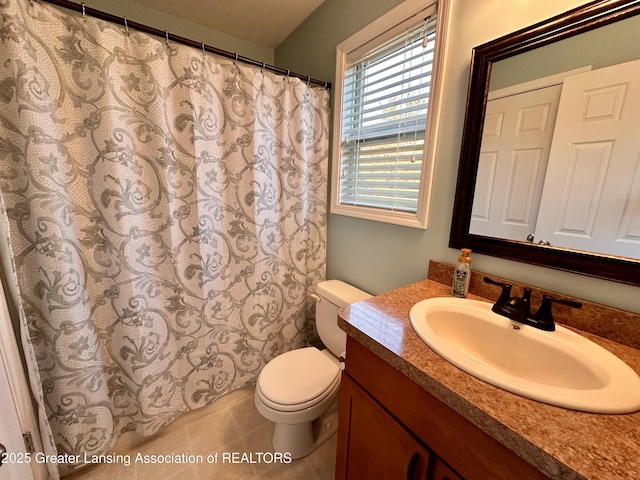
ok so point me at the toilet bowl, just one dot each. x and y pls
(298, 390)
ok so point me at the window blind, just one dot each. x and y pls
(385, 105)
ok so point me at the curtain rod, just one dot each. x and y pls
(84, 10)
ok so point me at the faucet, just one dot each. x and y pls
(515, 308)
(519, 308)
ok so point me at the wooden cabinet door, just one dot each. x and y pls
(372, 444)
(442, 472)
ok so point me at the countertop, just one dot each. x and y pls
(564, 444)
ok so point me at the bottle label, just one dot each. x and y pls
(460, 283)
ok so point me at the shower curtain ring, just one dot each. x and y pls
(84, 13)
(263, 63)
(126, 25)
(166, 36)
(235, 61)
(204, 52)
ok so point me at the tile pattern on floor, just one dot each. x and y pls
(229, 426)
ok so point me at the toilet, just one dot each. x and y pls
(298, 390)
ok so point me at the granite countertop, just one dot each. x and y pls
(564, 444)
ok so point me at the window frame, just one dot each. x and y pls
(409, 13)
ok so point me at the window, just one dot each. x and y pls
(385, 117)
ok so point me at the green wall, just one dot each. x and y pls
(137, 12)
(377, 257)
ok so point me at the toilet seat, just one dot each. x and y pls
(298, 379)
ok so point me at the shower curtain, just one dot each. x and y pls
(166, 219)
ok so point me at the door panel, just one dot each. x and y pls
(591, 196)
(377, 445)
(515, 146)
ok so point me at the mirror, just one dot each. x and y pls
(548, 197)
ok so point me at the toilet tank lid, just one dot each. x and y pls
(340, 293)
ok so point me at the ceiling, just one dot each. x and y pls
(265, 22)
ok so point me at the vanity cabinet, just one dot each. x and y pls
(392, 428)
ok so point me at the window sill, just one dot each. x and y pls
(405, 219)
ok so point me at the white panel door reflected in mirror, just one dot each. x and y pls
(591, 196)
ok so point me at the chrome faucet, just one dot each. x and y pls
(519, 308)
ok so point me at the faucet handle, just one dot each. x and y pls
(543, 318)
(506, 290)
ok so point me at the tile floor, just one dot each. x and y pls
(231, 424)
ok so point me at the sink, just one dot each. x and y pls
(560, 368)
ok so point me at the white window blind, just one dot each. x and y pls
(384, 113)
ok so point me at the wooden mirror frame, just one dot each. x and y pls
(579, 20)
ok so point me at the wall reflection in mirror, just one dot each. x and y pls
(559, 159)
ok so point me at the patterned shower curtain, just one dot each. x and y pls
(166, 215)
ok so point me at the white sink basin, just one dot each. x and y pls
(560, 368)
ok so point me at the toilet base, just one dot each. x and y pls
(303, 438)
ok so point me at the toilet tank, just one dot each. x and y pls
(334, 294)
